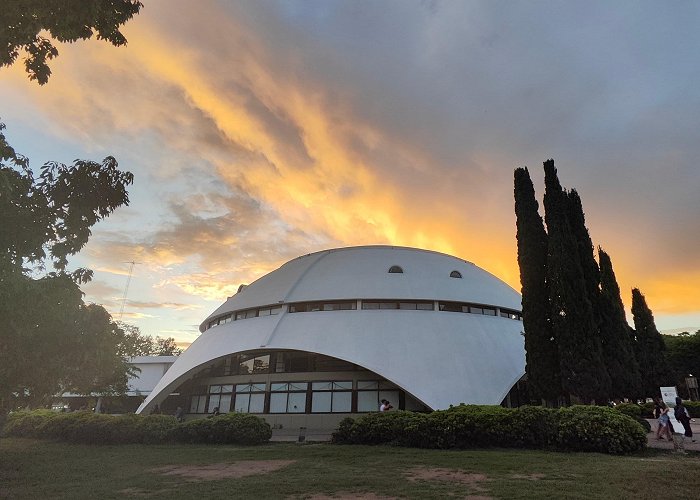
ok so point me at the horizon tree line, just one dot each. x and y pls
(577, 340)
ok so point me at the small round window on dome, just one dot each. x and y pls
(396, 269)
(455, 274)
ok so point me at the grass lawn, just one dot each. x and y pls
(40, 469)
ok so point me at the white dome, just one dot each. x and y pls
(440, 357)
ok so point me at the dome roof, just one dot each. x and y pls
(363, 272)
(438, 354)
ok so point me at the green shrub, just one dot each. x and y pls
(342, 435)
(92, 428)
(157, 428)
(596, 428)
(647, 410)
(579, 428)
(26, 423)
(229, 428)
(630, 409)
(693, 408)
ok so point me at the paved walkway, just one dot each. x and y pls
(652, 442)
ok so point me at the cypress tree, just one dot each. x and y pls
(541, 351)
(650, 348)
(591, 274)
(616, 335)
(583, 372)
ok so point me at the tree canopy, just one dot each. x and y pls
(135, 343)
(51, 341)
(23, 24)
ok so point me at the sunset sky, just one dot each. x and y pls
(259, 131)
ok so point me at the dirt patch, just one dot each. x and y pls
(472, 481)
(349, 495)
(213, 472)
(452, 475)
(529, 477)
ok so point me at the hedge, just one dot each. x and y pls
(94, 428)
(577, 428)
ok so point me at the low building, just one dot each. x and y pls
(332, 333)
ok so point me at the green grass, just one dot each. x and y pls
(40, 469)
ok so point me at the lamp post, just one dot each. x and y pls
(692, 384)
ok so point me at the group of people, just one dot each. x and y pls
(665, 426)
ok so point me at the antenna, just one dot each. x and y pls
(126, 288)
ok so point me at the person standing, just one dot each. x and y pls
(664, 423)
(682, 415)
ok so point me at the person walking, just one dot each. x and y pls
(682, 415)
(664, 423)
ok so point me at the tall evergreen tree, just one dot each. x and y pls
(583, 371)
(616, 335)
(589, 266)
(650, 348)
(541, 351)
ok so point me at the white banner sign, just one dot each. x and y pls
(668, 396)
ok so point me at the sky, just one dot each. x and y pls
(259, 131)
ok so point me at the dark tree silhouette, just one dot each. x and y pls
(22, 22)
(541, 351)
(583, 372)
(650, 348)
(616, 335)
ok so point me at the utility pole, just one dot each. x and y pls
(126, 288)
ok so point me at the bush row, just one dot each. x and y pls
(576, 428)
(646, 410)
(93, 428)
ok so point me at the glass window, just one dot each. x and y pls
(408, 305)
(254, 364)
(257, 403)
(222, 401)
(367, 384)
(450, 307)
(388, 305)
(263, 312)
(331, 397)
(455, 274)
(296, 403)
(321, 402)
(327, 364)
(197, 404)
(250, 388)
(489, 311)
(240, 315)
(395, 269)
(367, 401)
(250, 398)
(278, 402)
(476, 310)
(285, 400)
(370, 305)
(425, 306)
(291, 362)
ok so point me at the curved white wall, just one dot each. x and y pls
(441, 358)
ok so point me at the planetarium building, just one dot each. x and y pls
(332, 333)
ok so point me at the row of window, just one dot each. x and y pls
(276, 362)
(399, 270)
(350, 305)
(295, 397)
